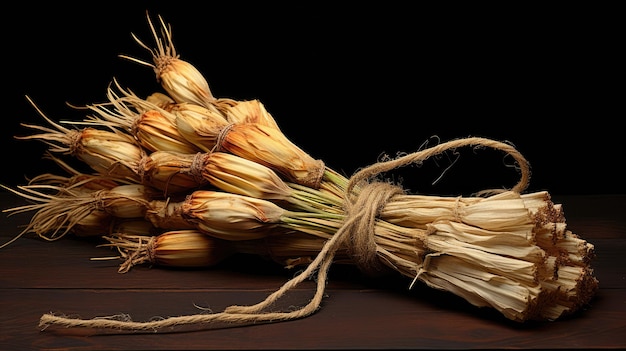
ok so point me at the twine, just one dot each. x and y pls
(143, 252)
(356, 232)
(220, 138)
(197, 166)
(140, 169)
(361, 244)
(97, 202)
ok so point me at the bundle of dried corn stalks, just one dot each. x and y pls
(182, 178)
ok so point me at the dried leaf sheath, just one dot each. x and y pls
(176, 173)
(194, 248)
(177, 248)
(252, 111)
(172, 172)
(150, 121)
(198, 125)
(270, 147)
(58, 210)
(108, 152)
(180, 79)
(236, 217)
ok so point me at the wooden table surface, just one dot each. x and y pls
(39, 277)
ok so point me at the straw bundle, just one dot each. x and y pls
(183, 178)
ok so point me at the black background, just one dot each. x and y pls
(350, 83)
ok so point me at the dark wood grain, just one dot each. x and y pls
(38, 277)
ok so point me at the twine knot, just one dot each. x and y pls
(197, 166)
(360, 224)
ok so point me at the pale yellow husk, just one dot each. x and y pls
(178, 248)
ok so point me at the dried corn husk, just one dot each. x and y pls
(270, 147)
(108, 152)
(178, 248)
(76, 179)
(161, 100)
(199, 126)
(180, 79)
(59, 210)
(175, 172)
(236, 217)
(172, 172)
(250, 111)
(149, 121)
(194, 248)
